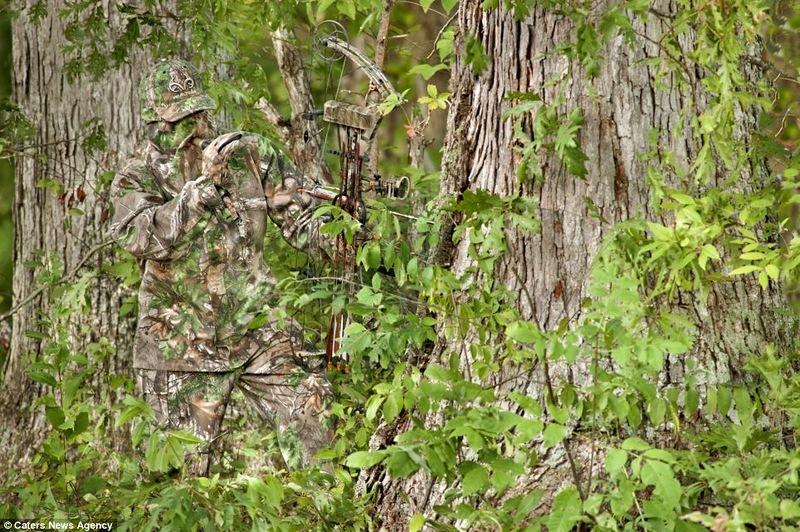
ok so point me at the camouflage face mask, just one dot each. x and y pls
(185, 130)
(181, 133)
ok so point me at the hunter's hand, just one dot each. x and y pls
(288, 192)
(207, 192)
(216, 156)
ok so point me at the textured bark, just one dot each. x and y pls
(548, 272)
(58, 110)
(5, 337)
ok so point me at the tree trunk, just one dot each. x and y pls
(548, 272)
(67, 219)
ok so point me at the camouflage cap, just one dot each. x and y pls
(173, 90)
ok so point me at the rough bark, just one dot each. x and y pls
(59, 110)
(5, 337)
(548, 272)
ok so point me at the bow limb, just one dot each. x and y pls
(375, 74)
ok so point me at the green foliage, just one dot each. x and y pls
(686, 454)
(76, 473)
(727, 454)
(550, 134)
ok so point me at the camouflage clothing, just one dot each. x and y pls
(205, 279)
(196, 211)
(277, 390)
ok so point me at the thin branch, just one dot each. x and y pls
(303, 143)
(69, 276)
(273, 116)
(439, 35)
(431, 9)
(383, 35)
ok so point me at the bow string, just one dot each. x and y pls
(356, 126)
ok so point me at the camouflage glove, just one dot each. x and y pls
(207, 192)
(286, 193)
(217, 154)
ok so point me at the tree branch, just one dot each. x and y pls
(68, 277)
(302, 140)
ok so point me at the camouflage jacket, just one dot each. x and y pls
(205, 278)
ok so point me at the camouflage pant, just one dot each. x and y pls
(290, 399)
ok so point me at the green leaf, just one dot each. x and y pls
(427, 71)
(135, 407)
(439, 373)
(660, 475)
(772, 271)
(615, 461)
(373, 404)
(393, 405)
(81, 424)
(682, 198)
(692, 401)
(528, 429)
(554, 434)
(657, 411)
(724, 399)
(416, 523)
(274, 494)
(42, 377)
(660, 232)
(565, 511)
(475, 480)
(476, 56)
(183, 436)
(528, 403)
(347, 8)
(635, 444)
(55, 415)
(167, 452)
(745, 269)
(528, 504)
(659, 454)
(789, 510)
(505, 472)
(762, 203)
(368, 297)
(373, 252)
(364, 459)
(91, 484)
(448, 6)
(753, 255)
(523, 331)
(711, 252)
(401, 464)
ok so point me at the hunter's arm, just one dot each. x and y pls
(292, 209)
(152, 226)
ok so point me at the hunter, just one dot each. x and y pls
(194, 207)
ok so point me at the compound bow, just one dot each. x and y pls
(357, 125)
